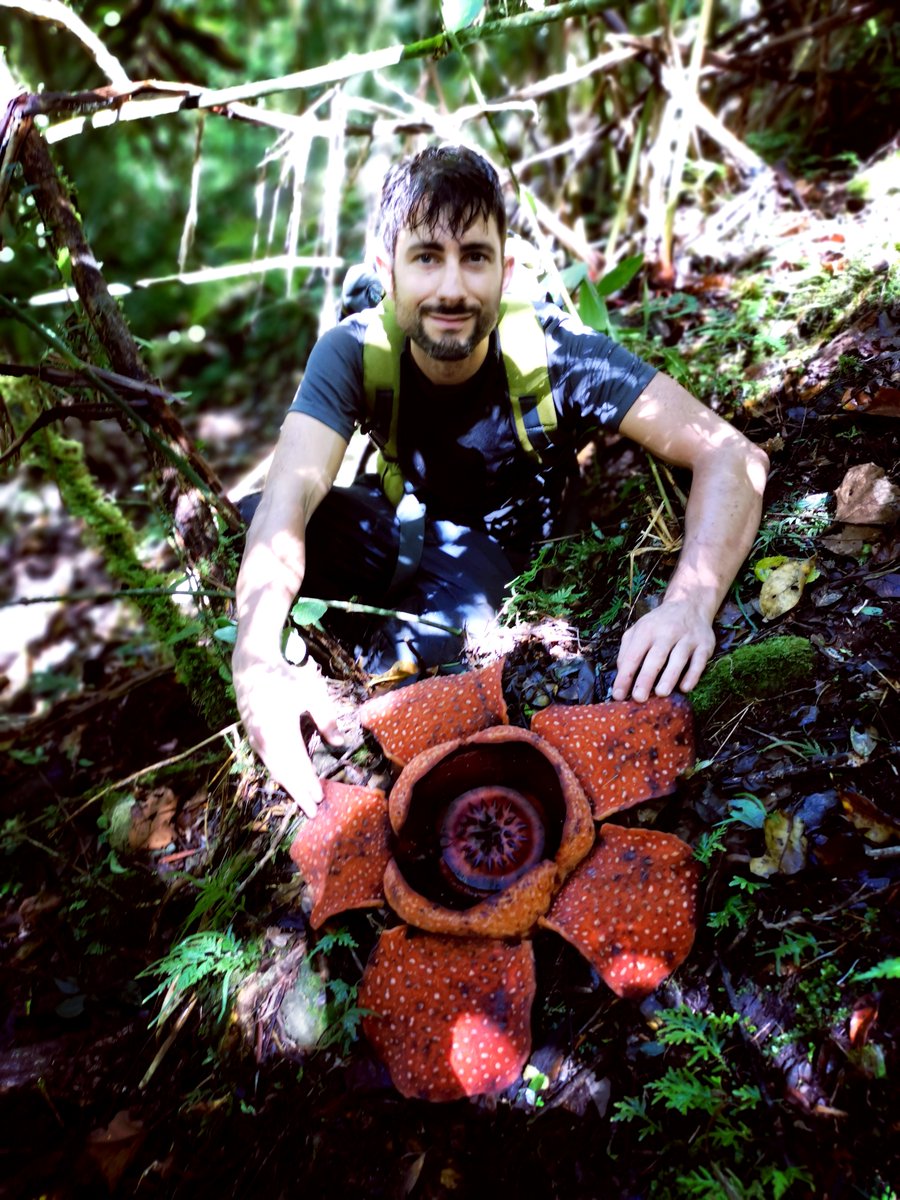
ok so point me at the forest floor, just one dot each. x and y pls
(768, 1065)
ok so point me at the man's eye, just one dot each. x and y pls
(477, 257)
(425, 258)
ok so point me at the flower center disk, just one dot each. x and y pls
(491, 836)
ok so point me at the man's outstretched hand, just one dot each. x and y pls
(271, 699)
(670, 645)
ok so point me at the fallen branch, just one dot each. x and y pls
(57, 13)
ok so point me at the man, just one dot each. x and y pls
(443, 232)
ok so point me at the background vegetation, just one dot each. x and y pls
(717, 184)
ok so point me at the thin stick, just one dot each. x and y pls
(157, 766)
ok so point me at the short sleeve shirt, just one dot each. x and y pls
(457, 445)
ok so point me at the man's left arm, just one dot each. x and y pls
(673, 643)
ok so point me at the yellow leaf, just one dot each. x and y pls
(784, 586)
(785, 846)
(766, 566)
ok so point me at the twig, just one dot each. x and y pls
(350, 606)
(165, 96)
(208, 486)
(59, 412)
(60, 377)
(158, 766)
(60, 14)
(171, 449)
(167, 1044)
(121, 594)
(358, 64)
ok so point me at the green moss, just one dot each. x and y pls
(195, 666)
(756, 672)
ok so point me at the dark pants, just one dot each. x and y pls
(447, 573)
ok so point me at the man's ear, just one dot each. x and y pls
(385, 275)
(509, 265)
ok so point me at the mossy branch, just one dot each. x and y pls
(203, 674)
(348, 67)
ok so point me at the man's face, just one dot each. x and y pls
(446, 290)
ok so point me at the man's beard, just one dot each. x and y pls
(452, 348)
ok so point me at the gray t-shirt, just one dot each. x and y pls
(457, 445)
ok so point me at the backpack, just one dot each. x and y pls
(524, 351)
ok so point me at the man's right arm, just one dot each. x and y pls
(271, 694)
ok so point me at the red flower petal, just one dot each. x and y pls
(453, 1013)
(411, 719)
(504, 914)
(623, 752)
(630, 907)
(342, 851)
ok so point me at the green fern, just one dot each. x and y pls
(707, 1113)
(199, 958)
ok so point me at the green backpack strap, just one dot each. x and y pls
(524, 350)
(382, 351)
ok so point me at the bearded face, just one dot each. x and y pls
(447, 290)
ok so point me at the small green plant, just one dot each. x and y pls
(219, 898)
(888, 968)
(745, 809)
(793, 946)
(342, 1014)
(211, 959)
(737, 909)
(701, 1113)
(536, 1082)
(795, 523)
(568, 560)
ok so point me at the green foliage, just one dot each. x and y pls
(535, 1082)
(702, 1114)
(211, 958)
(203, 674)
(819, 1005)
(219, 899)
(342, 1014)
(794, 945)
(745, 809)
(738, 909)
(793, 524)
(888, 968)
(592, 296)
(582, 558)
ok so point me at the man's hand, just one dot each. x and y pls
(674, 642)
(271, 698)
(670, 644)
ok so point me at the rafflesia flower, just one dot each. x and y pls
(488, 834)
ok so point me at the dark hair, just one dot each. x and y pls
(443, 185)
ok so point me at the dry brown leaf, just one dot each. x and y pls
(113, 1147)
(864, 814)
(153, 820)
(863, 1017)
(867, 497)
(784, 586)
(850, 540)
(884, 403)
